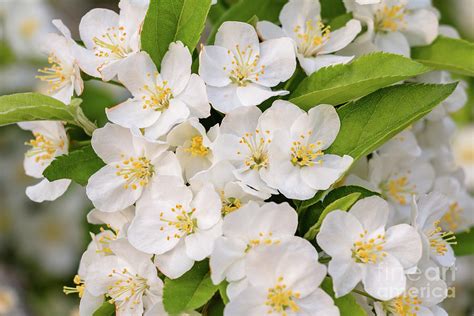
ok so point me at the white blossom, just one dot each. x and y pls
(315, 42)
(239, 71)
(250, 227)
(50, 140)
(179, 227)
(110, 38)
(133, 165)
(298, 166)
(160, 100)
(394, 25)
(362, 249)
(283, 279)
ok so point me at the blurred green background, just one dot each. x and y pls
(41, 244)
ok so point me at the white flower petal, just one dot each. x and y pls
(385, 280)
(225, 253)
(224, 99)
(132, 114)
(278, 57)
(46, 190)
(95, 23)
(255, 94)
(107, 192)
(267, 30)
(318, 303)
(200, 244)
(214, 65)
(140, 72)
(174, 263)
(177, 113)
(176, 67)
(341, 37)
(237, 34)
(372, 213)
(345, 273)
(404, 244)
(297, 12)
(421, 27)
(111, 142)
(322, 176)
(393, 42)
(313, 64)
(195, 97)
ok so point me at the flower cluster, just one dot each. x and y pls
(182, 183)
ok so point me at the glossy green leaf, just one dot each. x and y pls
(23, 107)
(245, 10)
(465, 243)
(340, 192)
(344, 82)
(106, 309)
(78, 166)
(369, 122)
(169, 21)
(342, 204)
(347, 304)
(191, 291)
(447, 53)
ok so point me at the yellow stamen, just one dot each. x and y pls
(390, 19)
(281, 300)
(136, 171)
(311, 37)
(197, 148)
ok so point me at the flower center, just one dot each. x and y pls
(256, 144)
(244, 66)
(29, 27)
(136, 172)
(439, 239)
(182, 220)
(452, 218)
(158, 97)
(303, 155)
(404, 305)
(55, 75)
(126, 287)
(112, 44)
(280, 299)
(390, 19)
(369, 251)
(197, 148)
(43, 148)
(311, 37)
(229, 204)
(398, 189)
(79, 288)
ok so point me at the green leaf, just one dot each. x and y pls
(106, 309)
(465, 243)
(446, 53)
(95, 99)
(340, 21)
(369, 122)
(22, 107)
(78, 166)
(169, 21)
(244, 10)
(344, 82)
(342, 204)
(347, 304)
(332, 8)
(340, 192)
(223, 291)
(191, 291)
